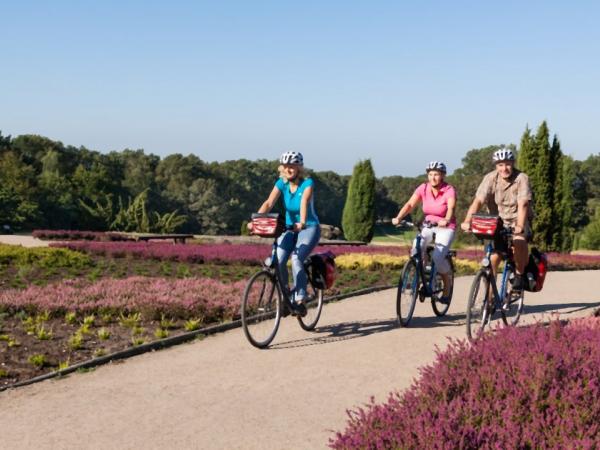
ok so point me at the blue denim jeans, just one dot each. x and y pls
(306, 242)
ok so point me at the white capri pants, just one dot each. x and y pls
(443, 238)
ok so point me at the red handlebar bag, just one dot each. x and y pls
(484, 226)
(267, 225)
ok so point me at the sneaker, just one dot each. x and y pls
(298, 309)
(444, 299)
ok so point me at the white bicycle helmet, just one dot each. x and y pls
(503, 154)
(436, 165)
(291, 158)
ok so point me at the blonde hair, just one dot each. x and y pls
(301, 172)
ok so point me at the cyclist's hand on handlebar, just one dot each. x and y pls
(517, 230)
(465, 226)
(442, 223)
(395, 221)
(249, 226)
(298, 227)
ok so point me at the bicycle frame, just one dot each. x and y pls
(508, 266)
(272, 263)
(418, 258)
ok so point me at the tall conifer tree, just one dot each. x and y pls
(540, 176)
(358, 219)
(527, 152)
(568, 200)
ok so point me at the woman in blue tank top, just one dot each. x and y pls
(297, 192)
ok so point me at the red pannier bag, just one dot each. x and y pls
(267, 225)
(484, 226)
(536, 269)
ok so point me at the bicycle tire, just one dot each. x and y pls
(261, 309)
(478, 308)
(314, 306)
(515, 304)
(406, 296)
(440, 309)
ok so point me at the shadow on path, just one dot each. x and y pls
(549, 307)
(340, 332)
(351, 330)
(449, 320)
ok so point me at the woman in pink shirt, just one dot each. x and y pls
(439, 200)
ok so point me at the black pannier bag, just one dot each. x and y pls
(323, 269)
(535, 271)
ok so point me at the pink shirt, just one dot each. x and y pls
(436, 207)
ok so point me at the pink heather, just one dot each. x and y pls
(195, 297)
(523, 387)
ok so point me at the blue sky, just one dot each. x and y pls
(401, 83)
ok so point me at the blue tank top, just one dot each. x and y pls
(291, 200)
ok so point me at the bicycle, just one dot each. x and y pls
(266, 300)
(484, 297)
(419, 281)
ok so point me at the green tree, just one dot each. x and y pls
(5, 142)
(20, 192)
(590, 236)
(568, 203)
(535, 160)
(358, 219)
(526, 160)
(134, 216)
(330, 194)
(561, 217)
(590, 170)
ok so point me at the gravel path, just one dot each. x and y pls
(25, 241)
(223, 393)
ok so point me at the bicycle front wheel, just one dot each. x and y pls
(261, 309)
(479, 306)
(314, 306)
(406, 297)
(512, 301)
(439, 308)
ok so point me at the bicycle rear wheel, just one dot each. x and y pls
(512, 301)
(479, 307)
(261, 309)
(314, 306)
(439, 308)
(406, 297)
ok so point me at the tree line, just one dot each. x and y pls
(45, 184)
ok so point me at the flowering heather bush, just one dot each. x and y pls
(76, 235)
(562, 261)
(253, 254)
(556, 261)
(521, 387)
(192, 297)
(392, 250)
(217, 253)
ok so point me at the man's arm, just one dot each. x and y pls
(522, 207)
